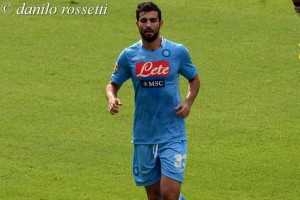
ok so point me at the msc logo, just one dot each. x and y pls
(153, 83)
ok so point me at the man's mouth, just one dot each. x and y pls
(148, 31)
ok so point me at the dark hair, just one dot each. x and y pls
(147, 7)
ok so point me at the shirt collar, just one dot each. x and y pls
(163, 42)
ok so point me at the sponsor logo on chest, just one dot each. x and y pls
(153, 83)
(152, 69)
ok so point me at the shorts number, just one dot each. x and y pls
(180, 160)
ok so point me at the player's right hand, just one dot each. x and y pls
(113, 106)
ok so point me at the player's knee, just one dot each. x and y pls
(154, 196)
(170, 197)
(168, 194)
(153, 191)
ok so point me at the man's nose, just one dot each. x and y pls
(148, 24)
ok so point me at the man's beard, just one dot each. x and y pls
(149, 38)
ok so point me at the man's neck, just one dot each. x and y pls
(152, 45)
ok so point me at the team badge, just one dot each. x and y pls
(136, 171)
(166, 52)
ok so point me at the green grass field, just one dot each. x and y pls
(58, 141)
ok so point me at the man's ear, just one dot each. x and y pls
(161, 23)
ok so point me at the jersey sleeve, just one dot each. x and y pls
(121, 72)
(187, 68)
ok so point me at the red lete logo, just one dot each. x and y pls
(152, 69)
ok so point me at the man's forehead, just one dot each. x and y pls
(150, 14)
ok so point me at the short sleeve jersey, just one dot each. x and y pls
(155, 78)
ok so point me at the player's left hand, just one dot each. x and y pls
(184, 109)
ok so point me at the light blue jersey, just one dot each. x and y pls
(155, 77)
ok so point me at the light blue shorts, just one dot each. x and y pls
(151, 161)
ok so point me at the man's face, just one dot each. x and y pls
(149, 25)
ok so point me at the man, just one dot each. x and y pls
(159, 136)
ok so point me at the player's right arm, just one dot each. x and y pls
(120, 74)
(111, 95)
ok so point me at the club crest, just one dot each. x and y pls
(166, 52)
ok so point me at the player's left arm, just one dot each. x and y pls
(193, 88)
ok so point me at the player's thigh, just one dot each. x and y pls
(153, 191)
(170, 189)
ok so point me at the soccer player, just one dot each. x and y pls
(159, 134)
